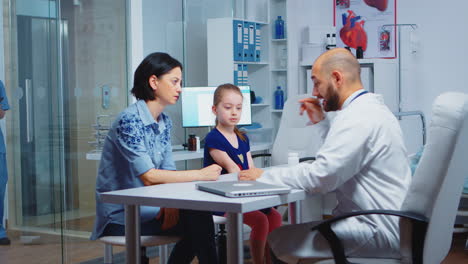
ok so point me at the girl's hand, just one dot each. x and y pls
(210, 173)
(170, 217)
(250, 175)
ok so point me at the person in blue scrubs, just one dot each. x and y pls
(137, 152)
(3, 166)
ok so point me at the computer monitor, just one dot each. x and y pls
(197, 102)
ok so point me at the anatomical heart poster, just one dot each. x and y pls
(360, 23)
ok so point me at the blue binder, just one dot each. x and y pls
(258, 38)
(245, 42)
(245, 75)
(238, 74)
(234, 76)
(251, 41)
(237, 31)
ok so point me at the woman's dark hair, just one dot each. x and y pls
(158, 64)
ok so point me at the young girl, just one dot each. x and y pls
(228, 147)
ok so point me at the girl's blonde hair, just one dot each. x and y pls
(218, 94)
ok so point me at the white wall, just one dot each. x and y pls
(441, 62)
(196, 14)
(162, 27)
(302, 14)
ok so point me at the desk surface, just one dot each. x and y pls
(186, 196)
(185, 154)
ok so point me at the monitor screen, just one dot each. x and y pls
(197, 102)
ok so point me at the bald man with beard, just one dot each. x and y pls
(363, 160)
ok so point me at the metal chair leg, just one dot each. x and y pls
(221, 241)
(107, 254)
(163, 254)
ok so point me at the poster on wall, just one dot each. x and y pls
(360, 25)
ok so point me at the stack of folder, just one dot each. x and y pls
(247, 48)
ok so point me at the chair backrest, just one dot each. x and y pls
(438, 181)
(293, 134)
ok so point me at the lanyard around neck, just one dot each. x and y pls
(361, 93)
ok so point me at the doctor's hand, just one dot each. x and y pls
(313, 108)
(170, 217)
(250, 175)
(210, 173)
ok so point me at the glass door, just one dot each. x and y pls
(66, 66)
(41, 120)
(36, 43)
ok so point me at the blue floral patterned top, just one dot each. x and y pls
(135, 144)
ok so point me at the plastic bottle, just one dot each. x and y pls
(279, 28)
(279, 98)
(293, 158)
(197, 147)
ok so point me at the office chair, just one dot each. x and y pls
(294, 135)
(430, 206)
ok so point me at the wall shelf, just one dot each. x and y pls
(250, 20)
(279, 40)
(259, 105)
(279, 70)
(252, 62)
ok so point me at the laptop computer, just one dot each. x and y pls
(242, 188)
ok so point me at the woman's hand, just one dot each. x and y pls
(170, 217)
(210, 173)
(250, 175)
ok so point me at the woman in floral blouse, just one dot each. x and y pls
(137, 152)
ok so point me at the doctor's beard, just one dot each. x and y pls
(332, 100)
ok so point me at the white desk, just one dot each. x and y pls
(186, 196)
(178, 155)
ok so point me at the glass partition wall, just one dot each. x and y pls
(66, 65)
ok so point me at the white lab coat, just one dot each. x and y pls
(364, 160)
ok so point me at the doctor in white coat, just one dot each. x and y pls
(363, 159)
